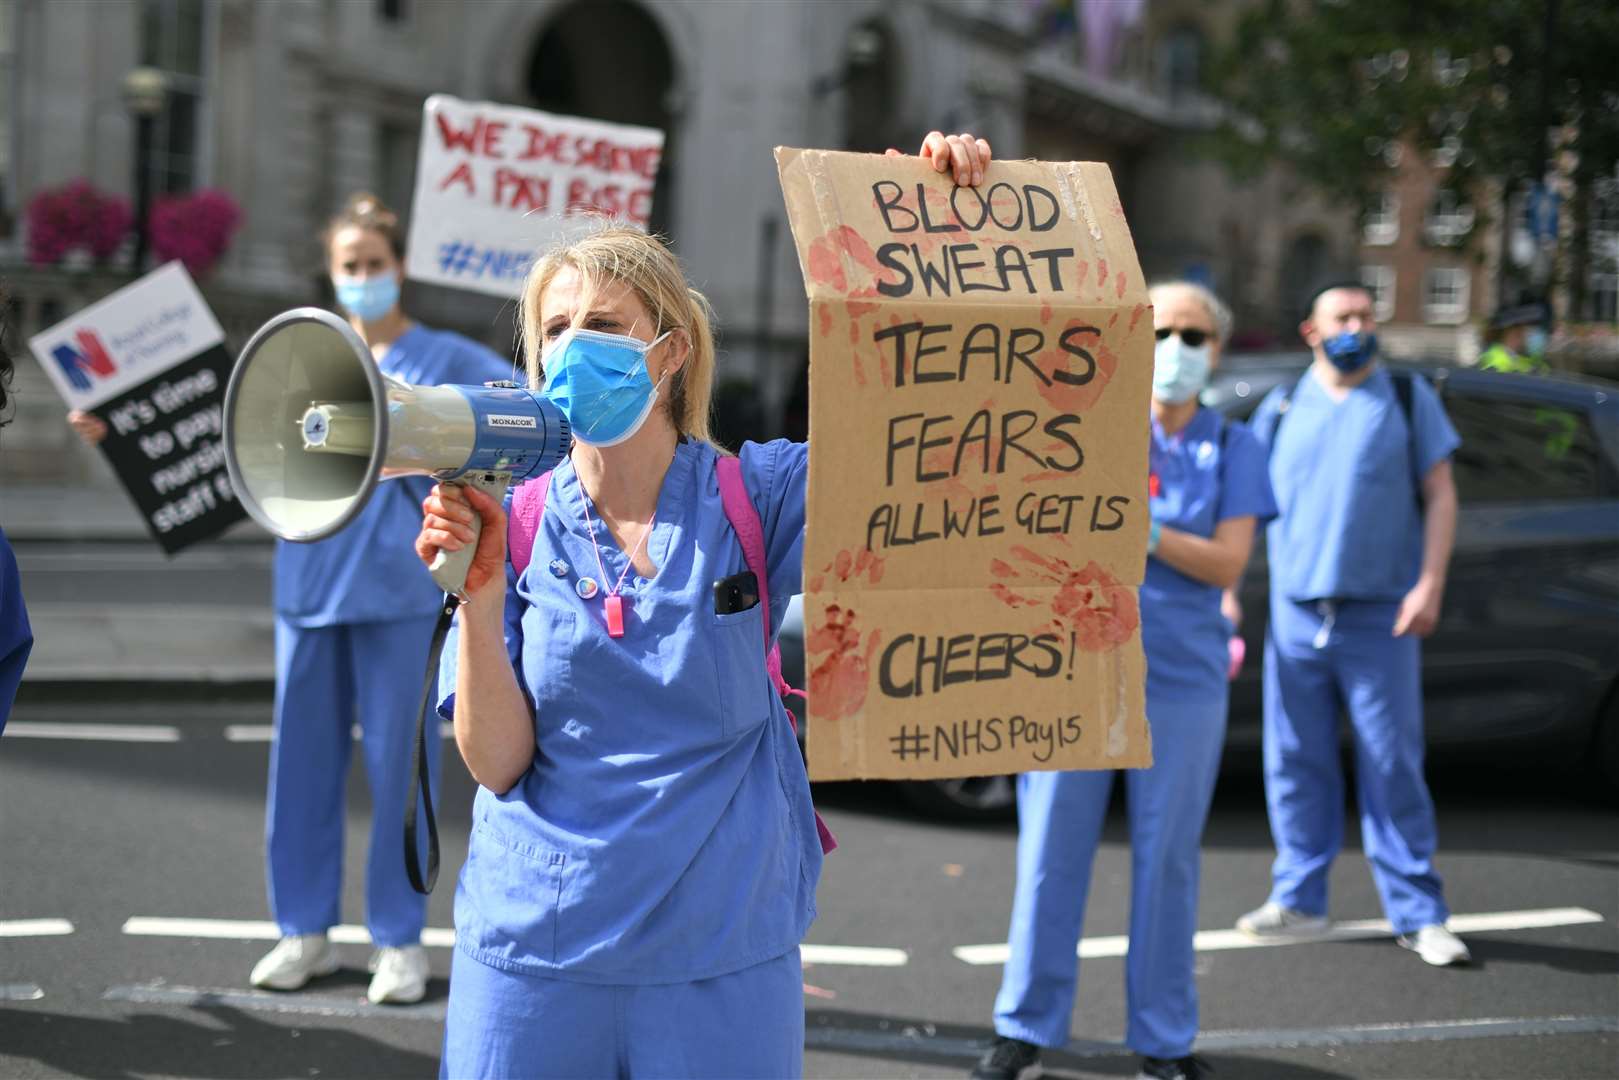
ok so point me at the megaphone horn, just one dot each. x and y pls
(312, 426)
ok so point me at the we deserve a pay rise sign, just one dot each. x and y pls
(980, 369)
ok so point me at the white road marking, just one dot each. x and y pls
(260, 930)
(263, 733)
(853, 955)
(912, 1037)
(20, 992)
(35, 928)
(444, 938)
(1352, 930)
(308, 1004)
(45, 729)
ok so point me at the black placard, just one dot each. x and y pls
(164, 440)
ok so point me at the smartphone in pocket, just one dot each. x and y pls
(739, 592)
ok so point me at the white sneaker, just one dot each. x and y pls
(1271, 921)
(401, 976)
(294, 961)
(1437, 946)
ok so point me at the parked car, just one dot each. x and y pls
(1525, 663)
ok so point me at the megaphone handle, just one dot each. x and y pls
(449, 568)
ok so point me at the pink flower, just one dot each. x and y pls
(194, 228)
(75, 216)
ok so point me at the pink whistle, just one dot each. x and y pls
(1239, 652)
(615, 615)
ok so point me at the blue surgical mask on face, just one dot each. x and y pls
(367, 299)
(1179, 371)
(600, 383)
(1350, 351)
(1534, 342)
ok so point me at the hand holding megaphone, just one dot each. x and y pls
(456, 518)
(312, 425)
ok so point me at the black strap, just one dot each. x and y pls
(421, 784)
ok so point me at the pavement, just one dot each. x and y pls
(112, 614)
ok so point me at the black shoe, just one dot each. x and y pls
(1006, 1059)
(1186, 1068)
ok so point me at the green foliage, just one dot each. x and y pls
(1334, 87)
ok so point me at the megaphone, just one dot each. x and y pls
(312, 426)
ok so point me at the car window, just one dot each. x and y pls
(1516, 450)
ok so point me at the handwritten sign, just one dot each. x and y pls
(496, 183)
(150, 361)
(980, 370)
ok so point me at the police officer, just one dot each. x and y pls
(1358, 555)
(1517, 341)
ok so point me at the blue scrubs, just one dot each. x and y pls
(354, 618)
(663, 836)
(1206, 474)
(16, 637)
(1344, 551)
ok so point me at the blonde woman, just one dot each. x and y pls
(644, 855)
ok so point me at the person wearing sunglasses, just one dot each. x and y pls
(1208, 490)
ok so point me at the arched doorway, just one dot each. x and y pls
(609, 60)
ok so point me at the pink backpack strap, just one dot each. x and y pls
(523, 522)
(744, 519)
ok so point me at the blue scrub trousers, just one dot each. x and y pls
(324, 676)
(748, 1024)
(1321, 659)
(1059, 825)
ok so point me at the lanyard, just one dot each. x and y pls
(612, 603)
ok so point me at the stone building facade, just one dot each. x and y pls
(290, 105)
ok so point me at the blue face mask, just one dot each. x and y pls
(1179, 371)
(367, 299)
(1350, 351)
(1534, 342)
(600, 383)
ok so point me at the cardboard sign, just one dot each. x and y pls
(495, 184)
(150, 361)
(980, 372)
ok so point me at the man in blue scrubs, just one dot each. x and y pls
(1358, 558)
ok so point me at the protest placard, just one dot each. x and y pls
(496, 183)
(150, 361)
(980, 372)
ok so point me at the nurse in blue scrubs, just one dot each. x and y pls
(1208, 489)
(354, 618)
(644, 855)
(16, 637)
(1358, 558)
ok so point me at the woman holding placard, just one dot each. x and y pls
(644, 855)
(354, 616)
(1208, 488)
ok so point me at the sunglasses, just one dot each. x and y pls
(1192, 338)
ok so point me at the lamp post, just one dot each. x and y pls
(146, 90)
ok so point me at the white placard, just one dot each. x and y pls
(495, 184)
(119, 342)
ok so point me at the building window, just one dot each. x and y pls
(1379, 281)
(1180, 62)
(173, 38)
(1381, 224)
(393, 10)
(1444, 295)
(1449, 220)
(396, 165)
